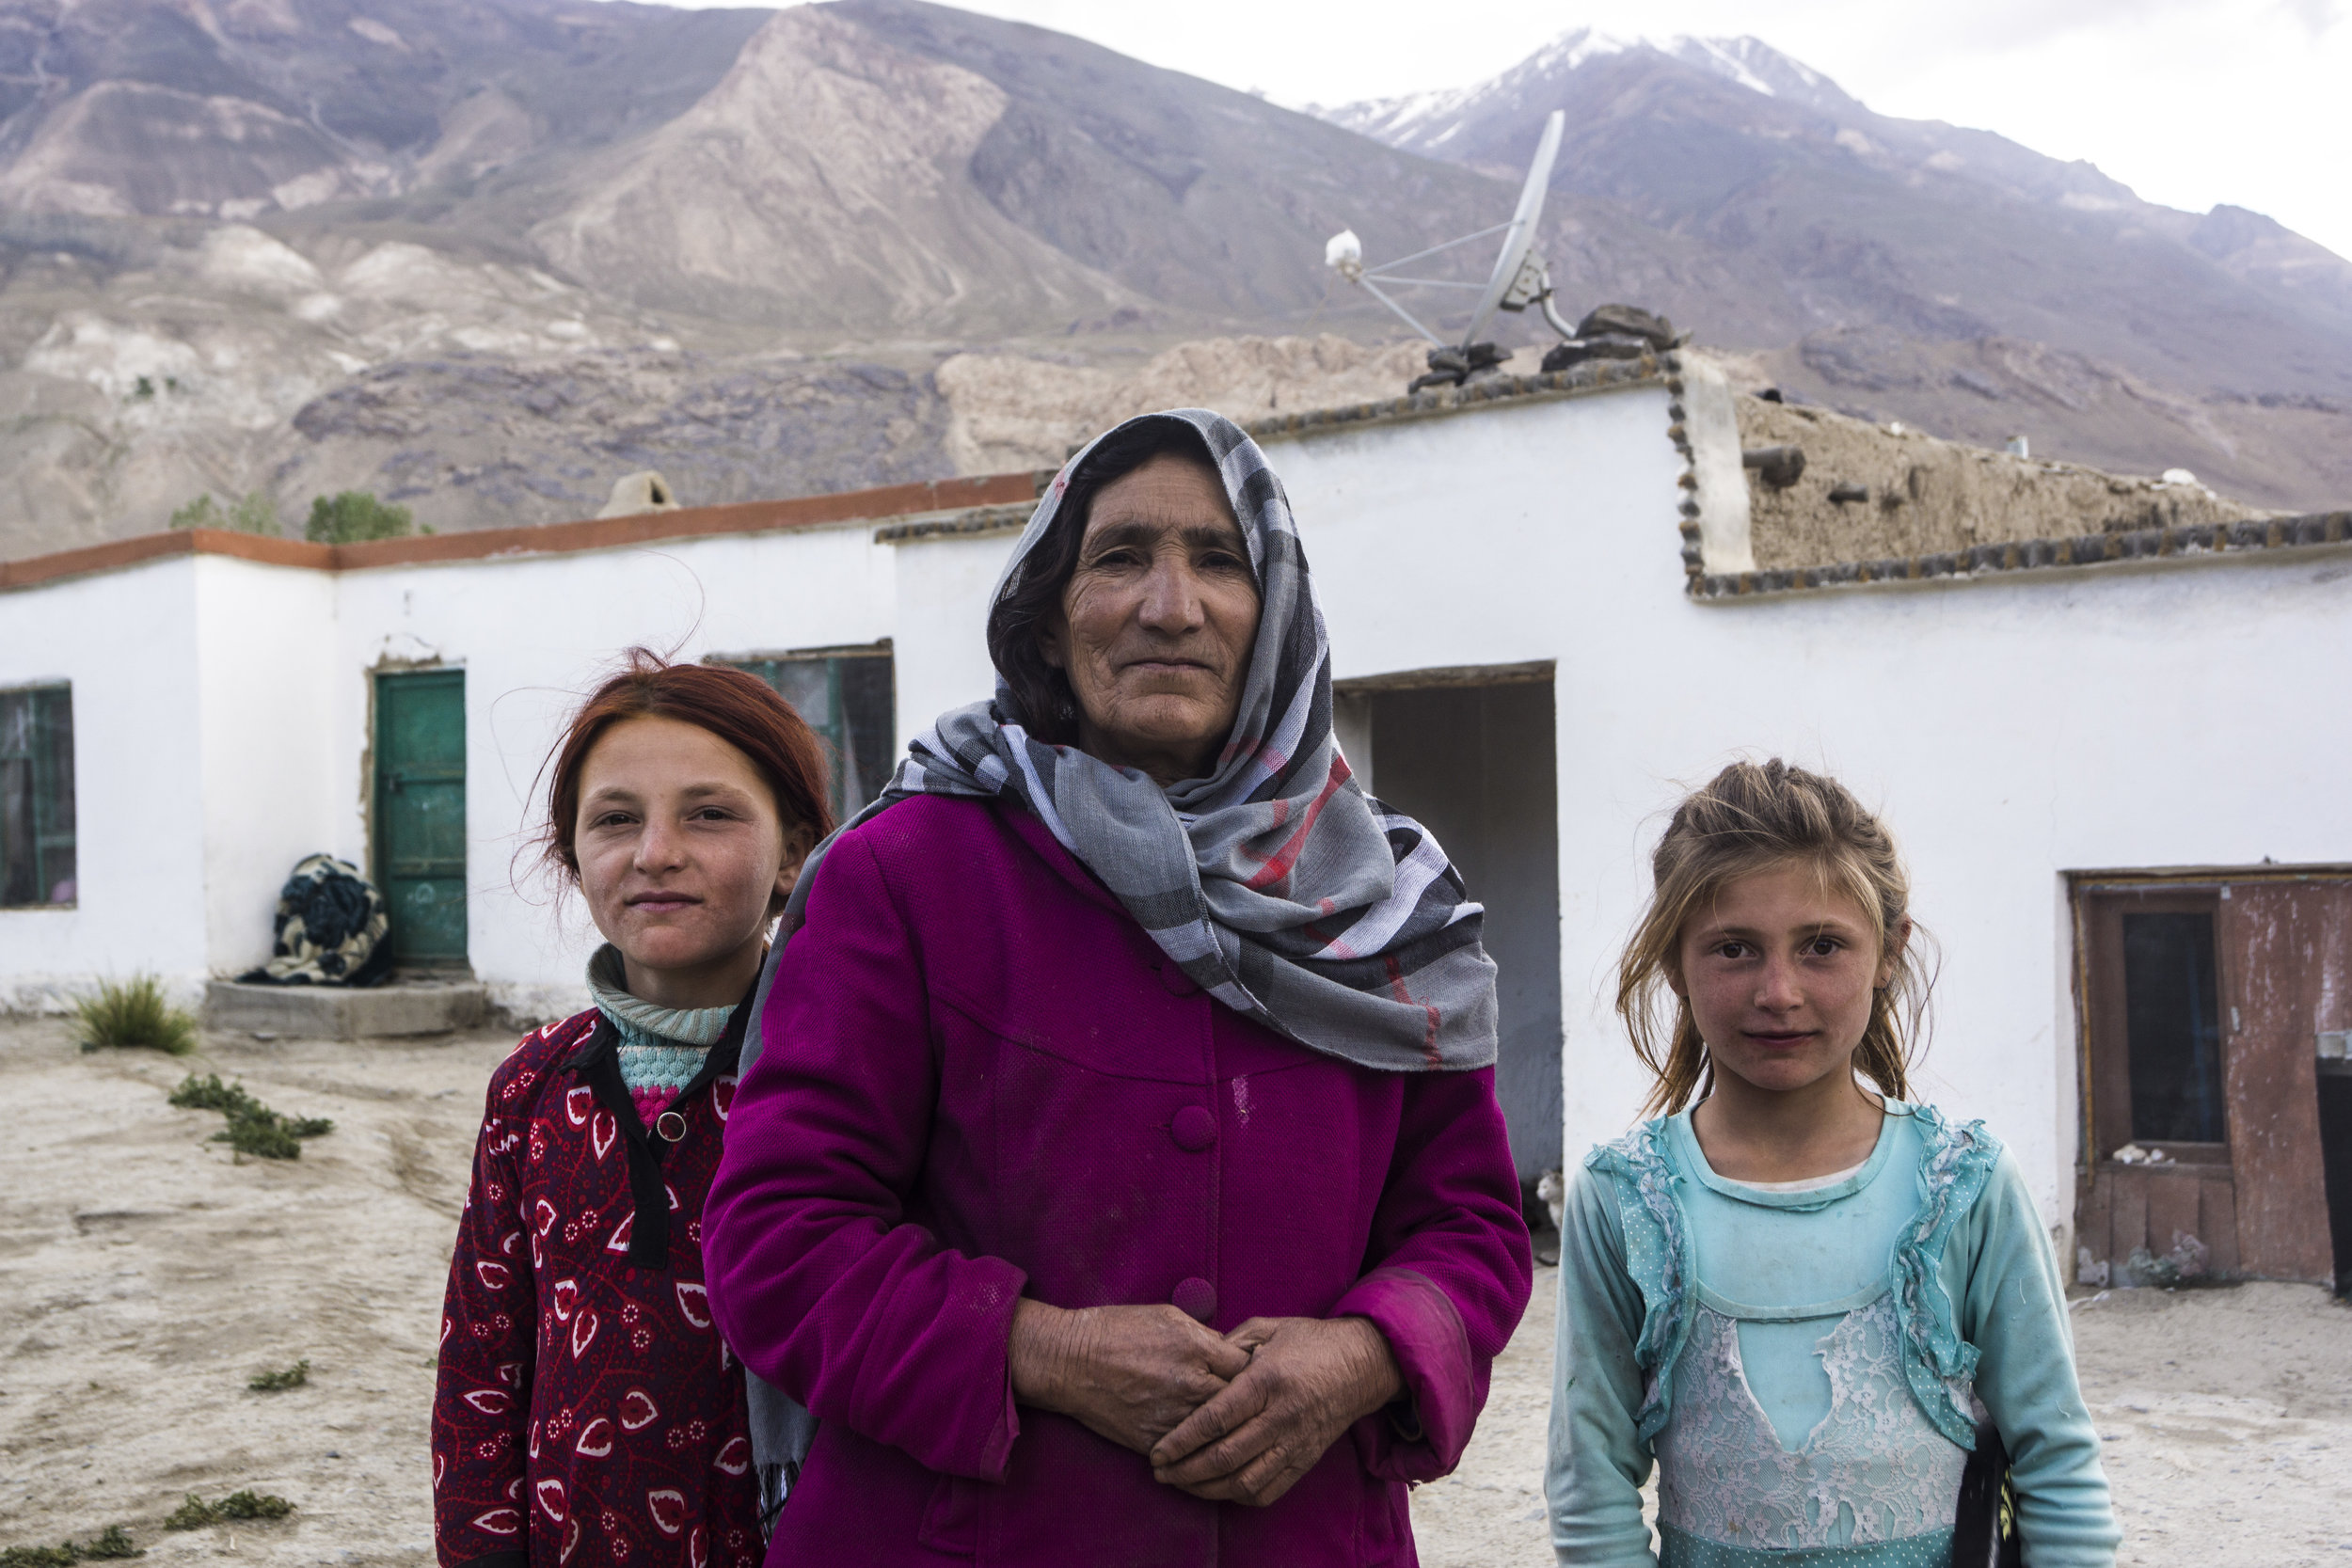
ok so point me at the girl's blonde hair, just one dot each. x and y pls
(1753, 818)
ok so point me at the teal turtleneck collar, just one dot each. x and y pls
(640, 1020)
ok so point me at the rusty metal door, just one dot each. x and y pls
(2204, 1002)
(2287, 947)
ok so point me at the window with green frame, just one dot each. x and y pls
(37, 798)
(849, 696)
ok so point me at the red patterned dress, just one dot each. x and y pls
(587, 1410)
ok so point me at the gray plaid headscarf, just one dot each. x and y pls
(1276, 882)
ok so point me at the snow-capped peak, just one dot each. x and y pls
(1410, 118)
(1720, 56)
(1760, 67)
(1574, 47)
(1422, 121)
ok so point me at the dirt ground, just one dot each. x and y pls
(146, 1275)
(2227, 1418)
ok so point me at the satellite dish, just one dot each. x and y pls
(1519, 240)
(1517, 279)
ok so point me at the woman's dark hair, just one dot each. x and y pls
(734, 704)
(1044, 703)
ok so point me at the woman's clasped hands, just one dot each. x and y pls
(1232, 1418)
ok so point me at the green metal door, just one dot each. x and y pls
(421, 813)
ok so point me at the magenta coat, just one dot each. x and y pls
(982, 1081)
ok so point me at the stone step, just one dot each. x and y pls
(334, 1013)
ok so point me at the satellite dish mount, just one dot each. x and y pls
(1517, 280)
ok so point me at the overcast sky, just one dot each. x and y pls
(2188, 102)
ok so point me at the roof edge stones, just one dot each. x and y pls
(1591, 375)
(2269, 536)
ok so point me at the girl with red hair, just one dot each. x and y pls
(587, 1409)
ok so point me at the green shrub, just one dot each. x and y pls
(203, 512)
(255, 514)
(254, 1505)
(40, 1556)
(354, 515)
(196, 1513)
(111, 1542)
(210, 1094)
(135, 1012)
(263, 1136)
(253, 1127)
(295, 1376)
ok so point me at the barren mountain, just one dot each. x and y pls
(234, 110)
(484, 256)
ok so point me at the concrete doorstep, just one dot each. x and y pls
(334, 1013)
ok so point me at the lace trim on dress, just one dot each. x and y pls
(1658, 1256)
(1941, 1366)
(1873, 1470)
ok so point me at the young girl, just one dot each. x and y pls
(1795, 1296)
(587, 1410)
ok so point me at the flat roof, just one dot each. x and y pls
(938, 496)
(2189, 542)
(593, 534)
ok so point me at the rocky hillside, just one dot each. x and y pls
(485, 255)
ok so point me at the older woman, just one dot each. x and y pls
(1121, 1180)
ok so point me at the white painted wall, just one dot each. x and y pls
(942, 645)
(222, 715)
(124, 640)
(2011, 729)
(266, 692)
(534, 634)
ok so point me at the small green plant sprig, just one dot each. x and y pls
(255, 514)
(295, 1376)
(355, 516)
(196, 1513)
(253, 1127)
(135, 1013)
(111, 1542)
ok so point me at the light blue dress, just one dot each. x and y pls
(1805, 1368)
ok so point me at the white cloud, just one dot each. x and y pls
(2317, 16)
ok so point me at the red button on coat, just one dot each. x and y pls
(1194, 1129)
(1196, 1298)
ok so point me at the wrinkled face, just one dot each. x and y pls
(1779, 971)
(681, 851)
(1158, 622)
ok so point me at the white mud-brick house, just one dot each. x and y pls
(2099, 712)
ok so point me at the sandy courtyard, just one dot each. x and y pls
(145, 1275)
